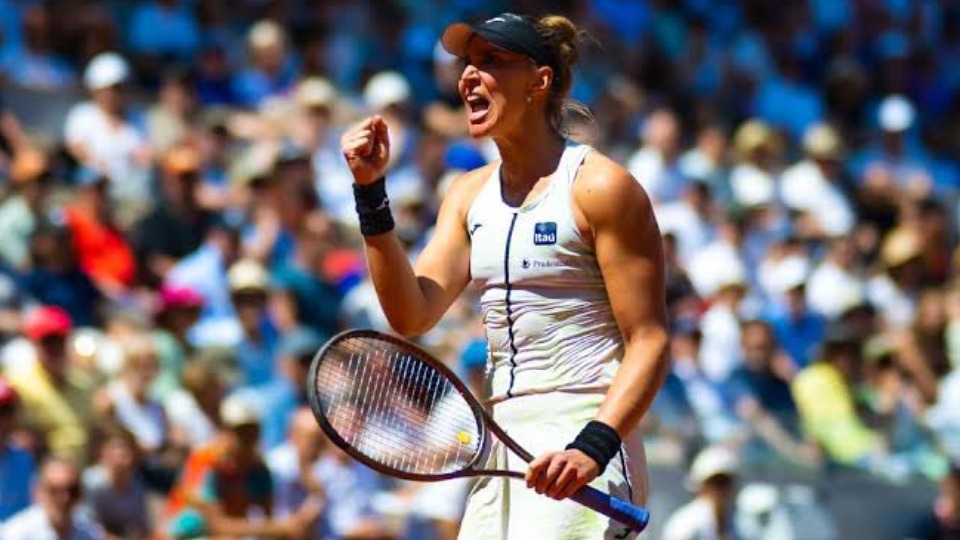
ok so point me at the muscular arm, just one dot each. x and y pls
(414, 297)
(629, 252)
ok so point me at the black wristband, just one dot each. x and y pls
(373, 207)
(599, 441)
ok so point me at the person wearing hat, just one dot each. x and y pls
(176, 225)
(815, 186)
(896, 288)
(388, 94)
(102, 250)
(228, 489)
(554, 232)
(19, 213)
(710, 515)
(16, 464)
(99, 135)
(55, 397)
(798, 329)
(249, 283)
(753, 180)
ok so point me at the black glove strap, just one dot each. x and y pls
(373, 207)
(599, 441)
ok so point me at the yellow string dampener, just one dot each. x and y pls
(464, 437)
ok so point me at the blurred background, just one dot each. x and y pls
(177, 237)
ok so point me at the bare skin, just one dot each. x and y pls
(506, 97)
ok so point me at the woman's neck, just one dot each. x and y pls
(529, 155)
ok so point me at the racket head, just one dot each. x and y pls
(363, 382)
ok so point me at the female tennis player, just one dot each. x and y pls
(565, 250)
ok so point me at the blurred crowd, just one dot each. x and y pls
(176, 245)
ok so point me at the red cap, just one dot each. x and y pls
(8, 396)
(47, 321)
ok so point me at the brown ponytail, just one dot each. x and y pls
(560, 36)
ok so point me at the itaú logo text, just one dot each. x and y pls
(545, 233)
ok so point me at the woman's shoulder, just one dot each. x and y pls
(601, 180)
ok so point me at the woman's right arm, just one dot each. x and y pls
(413, 298)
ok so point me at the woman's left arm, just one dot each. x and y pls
(619, 218)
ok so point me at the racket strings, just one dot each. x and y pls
(396, 409)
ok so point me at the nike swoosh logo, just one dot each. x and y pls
(384, 205)
(475, 227)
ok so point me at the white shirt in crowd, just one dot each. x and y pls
(832, 289)
(693, 231)
(32, 524)
(896, 307)
(752, 186)
(110, 148)
(803, 187)
(695, 520)
(146, 421)
(185, 416)
(720, 349)
(663, 181)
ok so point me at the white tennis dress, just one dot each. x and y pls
(554, 348)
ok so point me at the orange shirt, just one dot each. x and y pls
(102, 251)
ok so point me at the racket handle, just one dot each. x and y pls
(630, 515)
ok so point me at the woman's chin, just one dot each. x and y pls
(479, 130)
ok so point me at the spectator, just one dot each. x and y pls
(56, 397)
(178, 310)
(754, 179)
(36, 65)
(169, 121)
(760, 388)
(798, 329)
(388, 94)
(835, 284)
(894, 290)
(689, 220)
(655, 164)
(114, 490)
(57, 493)
(272, 70)
(235, 492)
(101, 248)
(256, 351)
(16, 464)
(205, 271)
(24, 209)
(815, 187)
(293, 466)
(99, 134)
(55, 277)
(177, 225)
(896, 164)
(824, 395)
(711, 514)
(192, 409)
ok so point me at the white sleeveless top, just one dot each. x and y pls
(548, 320)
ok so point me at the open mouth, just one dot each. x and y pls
(477, 106)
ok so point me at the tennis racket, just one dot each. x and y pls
(395, 408)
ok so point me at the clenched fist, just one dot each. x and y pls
(366, 147)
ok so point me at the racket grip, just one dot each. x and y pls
(630, 515)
